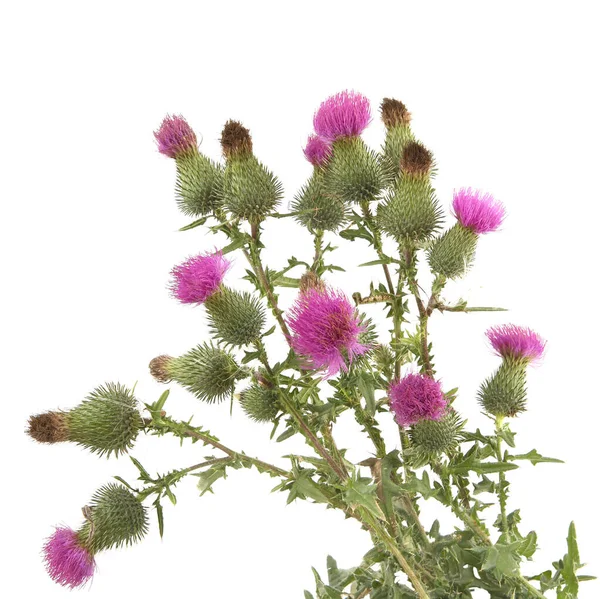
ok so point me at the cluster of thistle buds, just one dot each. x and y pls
(390, 193)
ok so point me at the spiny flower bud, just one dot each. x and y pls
(410, 211)
(198, 178)
(505, 392)
(250, 191)
(432, 438)
(107, 421)
(260, 403)
(235, 318)
(477, 213)
(325, 330)
(416, 397)
(115, 518)
(199, 277)
(206, 371)
(396, 119)
(317, 210)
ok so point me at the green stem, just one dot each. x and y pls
(501, 476)
(317, 265)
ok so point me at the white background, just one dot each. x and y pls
(504, 95)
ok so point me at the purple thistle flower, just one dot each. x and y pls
(345, 114)
(518, 343)
(325, 329)
(196, 279)
(417, 397)
(477, 210)
(68, 563)
(175, 136)
(317, 150)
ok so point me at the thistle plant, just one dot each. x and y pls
(336, 361)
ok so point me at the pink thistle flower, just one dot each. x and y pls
(345, 114)
(477, 210)
(67, 561)
(325, 327)
(175, 136)
(417, 397)
(317, 150)
(196, 279)
(517, 343)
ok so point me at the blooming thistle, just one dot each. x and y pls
(345, 114)
(505, 392)
(198, 178)
(199, 277)
(477, 213)
(325, 330)
(317, 150)
(516, 343)
(416, 397)
(67, 561)
(477, 210)
(313, 207)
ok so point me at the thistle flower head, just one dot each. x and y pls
(159, 368)
(317, 150)
(345, 114)
(393, 113)
(416, 397)
(477, 210)
(175, 136)
(196, 279)
(517, 343)
(325, 329)
(50, 427)
(68, 563)
(416, 159)
(235, 139)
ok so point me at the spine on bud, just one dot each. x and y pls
(260, 403)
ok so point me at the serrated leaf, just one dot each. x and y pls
(143, 472)
(534, 457)
(160, 518)
(528, 545)
(207, 478)
(480, 467)
(361, 494)
(196, 223)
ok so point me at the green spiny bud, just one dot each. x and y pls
(396, 119)
(353, 173)
(411, 210)
(207, 371)
(316, 210)
(452, 254)
(235, 318)
(199, 181)
(114, 518)
(250, 191)
(432, 438)
(505, 392)
(107, 421)
(260, 403)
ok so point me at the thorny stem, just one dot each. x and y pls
(501, 476)
(317, 265)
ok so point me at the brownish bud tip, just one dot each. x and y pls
(310, 280)
(235, 139)
(159, 368)
(393, 112)
(416, 159)
(50, 427)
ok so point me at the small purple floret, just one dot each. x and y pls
(325, 329)
(317, 150)
(175, 136)
(517, 343)
(196, 279)
(417, 397)
(346, 114)
(477, 210)
(68, 563)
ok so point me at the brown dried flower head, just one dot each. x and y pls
(235, 139)
(393, 112)
(416, 159)
(50, 427)
(159, 370)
